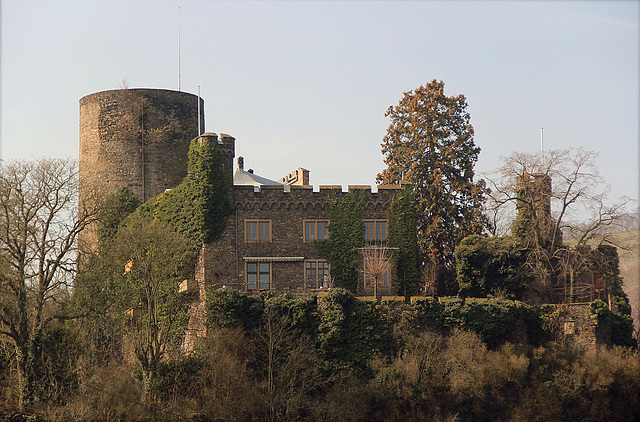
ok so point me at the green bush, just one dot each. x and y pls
(618, 325)
(490, 266)
(233, 309)
(351, 331)
(492, 319)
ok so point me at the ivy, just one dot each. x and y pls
(491, 319)
(351, 331)
(402, 215)
(346, 235)
(115, 208)
(619, 326)
(233, 309)
(490, 265)
(200, 206)
(347, 332)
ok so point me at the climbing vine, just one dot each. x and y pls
(346, 235)
(115, 208)
(200, 206)
(402, 215)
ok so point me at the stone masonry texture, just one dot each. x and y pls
(135, 138)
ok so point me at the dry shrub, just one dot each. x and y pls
(346, 401)
(225, 386)
(110, 393)
(573, 383)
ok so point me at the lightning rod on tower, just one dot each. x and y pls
(179, 85)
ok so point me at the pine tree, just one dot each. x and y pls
(429, 143)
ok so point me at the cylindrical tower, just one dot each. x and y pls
(138, 138)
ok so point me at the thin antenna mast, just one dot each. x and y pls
(542, 147)
(198, 110)
(179, 85)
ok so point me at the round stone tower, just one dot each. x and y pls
(138, 138)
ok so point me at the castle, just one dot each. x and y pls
(139, 138)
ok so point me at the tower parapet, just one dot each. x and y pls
(136, 138)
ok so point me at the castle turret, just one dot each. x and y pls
(135, 138)
(138, 138)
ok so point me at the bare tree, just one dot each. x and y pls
(39, 223)
(147, 262)
(291, 368)
(376, 264)
(429, 279)
(556, 225)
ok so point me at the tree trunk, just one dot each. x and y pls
(26, 363)
(148, 378)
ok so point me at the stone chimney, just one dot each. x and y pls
(241, 163)
(298, 177)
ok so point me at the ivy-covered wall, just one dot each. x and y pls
(346, 235)
(493, 266)
(402, 216)
(200, 206)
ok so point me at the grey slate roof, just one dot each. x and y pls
(241, 177)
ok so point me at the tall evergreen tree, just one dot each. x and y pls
(429, 143)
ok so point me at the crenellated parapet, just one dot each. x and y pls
(305, 198)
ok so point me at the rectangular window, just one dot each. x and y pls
(315, 230)
(257, 231)
(316, 274)
(258, 275)
(375, 230)
(383, 278)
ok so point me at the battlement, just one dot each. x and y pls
(271, 197)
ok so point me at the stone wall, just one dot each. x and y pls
(578, 326)
(138, 138)
(286, 208)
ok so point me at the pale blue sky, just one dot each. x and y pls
(307, 83)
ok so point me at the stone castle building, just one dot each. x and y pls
(139, 138)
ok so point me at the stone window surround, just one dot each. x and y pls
(373, 227)
(316, 268)
(258, 272)
(315, 230)
(257, 230)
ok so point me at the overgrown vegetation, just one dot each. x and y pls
(275, 357)
(346, 234)
(491, 266)
(114, 209)
(402, 216)
(198, 208)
